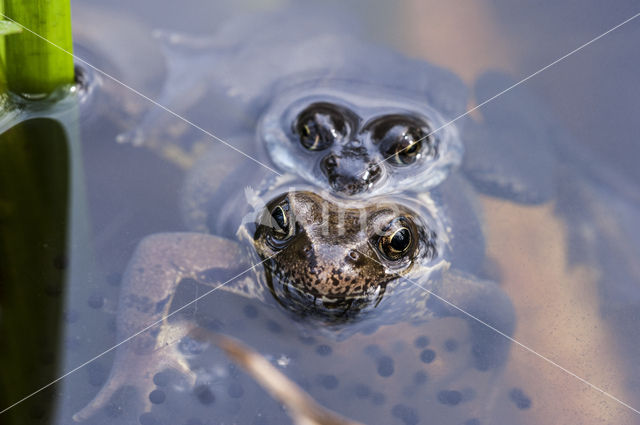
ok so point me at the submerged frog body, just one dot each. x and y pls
(348, 117)
(290, 85)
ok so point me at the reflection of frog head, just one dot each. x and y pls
(345, 145)
(322, 256)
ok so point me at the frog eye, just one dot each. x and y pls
(396, 241)
(281, 227)
(403, 140)
(319, 125)
(405, 151)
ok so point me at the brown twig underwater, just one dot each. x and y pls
(303, 409)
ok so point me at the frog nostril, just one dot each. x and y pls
(372, 174)
(336, 185)
(329, 163)
(353, 255)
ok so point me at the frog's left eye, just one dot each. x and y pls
(281, 223)
(397, 239)
(319, 125)
(402, 139)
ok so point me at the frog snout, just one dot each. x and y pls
(348, 174)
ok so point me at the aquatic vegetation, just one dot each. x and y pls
(37, 58)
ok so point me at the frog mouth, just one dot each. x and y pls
(353, 185)
(327, 309)
(347, 186)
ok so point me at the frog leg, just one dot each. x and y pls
(191, 91)
(460, 209)
(491, 318)
(486, 308)
(146, 338)
(455, 293)
(187, 77)
(511, 153)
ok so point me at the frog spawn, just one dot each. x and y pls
(373, 377)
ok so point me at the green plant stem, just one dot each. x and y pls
(34, 195)
(1, 45)
(34, 66)
(3, 80)
(6, 28)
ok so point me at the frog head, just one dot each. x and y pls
(358, 145)
(323, 256)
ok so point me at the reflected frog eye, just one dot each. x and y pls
(319, 125)
(396, 241)
(402, 139)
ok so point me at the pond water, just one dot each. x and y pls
(563, 251)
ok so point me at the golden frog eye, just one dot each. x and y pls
(404, 143)
(402, 139)
(396, 243)
(406, 151)
(319, 125)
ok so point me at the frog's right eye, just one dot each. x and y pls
(319, 125)
(403, 139)
(397, 240)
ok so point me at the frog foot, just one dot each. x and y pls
(188, 61)
(134, 366)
